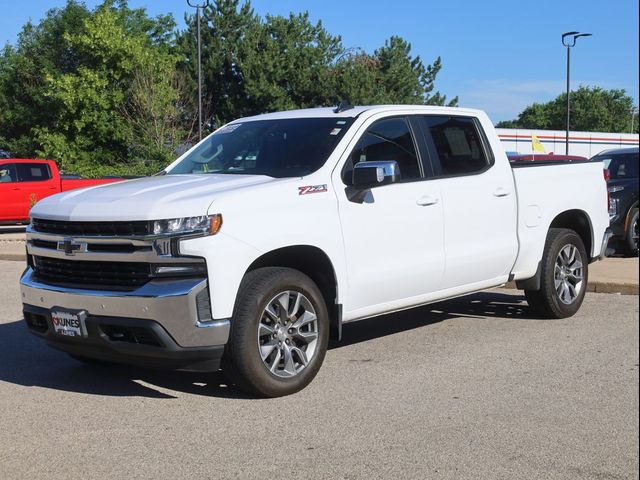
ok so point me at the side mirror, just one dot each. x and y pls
(371, 174)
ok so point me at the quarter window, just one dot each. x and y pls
(386, 140)
(458, 145)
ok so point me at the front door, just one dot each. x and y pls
(392, 233)
(9, 193)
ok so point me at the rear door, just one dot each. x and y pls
(34, 183)
(478, 200)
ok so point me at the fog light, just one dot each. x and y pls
(203, 306)
(180, 270)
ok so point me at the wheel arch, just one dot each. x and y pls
(576, 220)
(316, 264)
(579, 222)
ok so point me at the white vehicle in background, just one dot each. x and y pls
(259, 243)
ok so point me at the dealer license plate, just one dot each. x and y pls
(69, 324)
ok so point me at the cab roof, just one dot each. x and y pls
(329, 112)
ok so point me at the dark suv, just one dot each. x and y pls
(622, 166)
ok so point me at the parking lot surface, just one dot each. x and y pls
(470, 388)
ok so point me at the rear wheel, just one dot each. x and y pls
(564, 275)
(631, 236)
(279, 333)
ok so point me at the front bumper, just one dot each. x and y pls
(167, 310)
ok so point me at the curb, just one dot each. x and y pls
(602, 287)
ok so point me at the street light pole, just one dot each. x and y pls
(570, 42)
(199, 6)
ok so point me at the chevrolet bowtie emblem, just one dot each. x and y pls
(69, 247)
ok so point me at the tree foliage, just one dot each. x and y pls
(593, 109)
(113, 90)
(253, 65)
(70, 89)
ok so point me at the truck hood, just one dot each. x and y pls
(168, 196)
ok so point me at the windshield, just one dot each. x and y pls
(278, 148)
(620, 165)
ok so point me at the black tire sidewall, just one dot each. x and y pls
(243, 359)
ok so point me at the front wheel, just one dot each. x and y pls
(279, 332)
(564, 275)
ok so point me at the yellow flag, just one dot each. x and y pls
(536, 145)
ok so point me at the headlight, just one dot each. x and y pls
(204, 224)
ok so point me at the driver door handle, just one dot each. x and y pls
(501, 192)
(427, 200)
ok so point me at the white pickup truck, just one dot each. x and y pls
(254, 247)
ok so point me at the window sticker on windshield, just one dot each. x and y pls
(335, 131)
(229, 128)
(312, 189)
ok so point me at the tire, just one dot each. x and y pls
(270, 339)
(631, 235)
(565, 264)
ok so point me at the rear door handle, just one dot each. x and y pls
(501, 192)
(427, 200)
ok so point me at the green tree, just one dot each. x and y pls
(40, 50)
(112, 90)
(593, 109)
(224, 27)
(84, 107)
(285, 64)
(253, 65)
(390, 75)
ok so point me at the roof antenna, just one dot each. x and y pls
(342, 106)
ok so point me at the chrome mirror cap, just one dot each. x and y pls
(375, 173)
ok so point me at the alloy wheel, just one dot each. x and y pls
(569, 274)
(288, 334)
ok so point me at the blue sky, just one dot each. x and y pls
(497, 55)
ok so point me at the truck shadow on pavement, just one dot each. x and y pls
(25, 360)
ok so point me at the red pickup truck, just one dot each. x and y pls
(23, 182)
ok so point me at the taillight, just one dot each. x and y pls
(607, 175)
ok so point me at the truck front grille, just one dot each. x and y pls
(92, 229)
(88, 275)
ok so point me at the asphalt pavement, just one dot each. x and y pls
(471, 388)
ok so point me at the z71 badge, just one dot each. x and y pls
(312, 189)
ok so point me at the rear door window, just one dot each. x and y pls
(456, 144)
(8, 173)
(33, 172)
